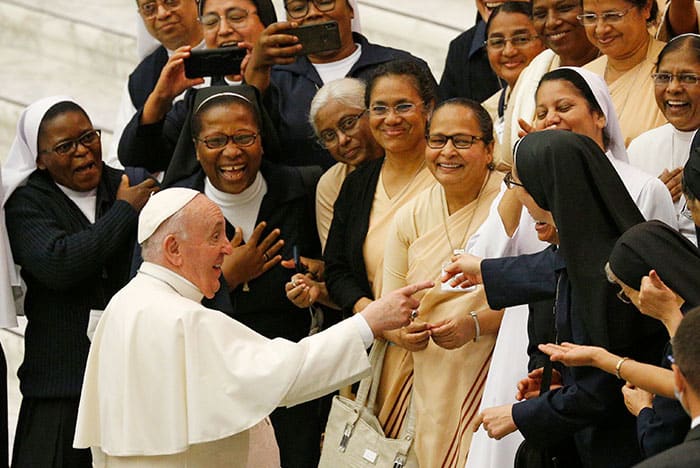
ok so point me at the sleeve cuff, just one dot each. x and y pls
(363, 329)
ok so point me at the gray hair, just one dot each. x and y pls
(348, 91)
(152, 248)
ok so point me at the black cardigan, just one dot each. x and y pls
(287, 205)
(70, 266)
(346, 273)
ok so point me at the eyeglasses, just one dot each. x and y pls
(591, 19)
(399, 109)
(612, 280)
(540, 15)
(235, 17)
(685, 211)
(623, 297)
(517, 41)
(459, 141)
(300, 8)
(68, 147)
(329, 137)
(664, 79)
(510, 182)
(219, 141)
(150, 9)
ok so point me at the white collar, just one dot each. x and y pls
(181, 285)
(695, 422)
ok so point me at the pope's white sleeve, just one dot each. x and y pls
(334, 358)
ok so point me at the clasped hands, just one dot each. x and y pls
(451, 333)
(304, 289)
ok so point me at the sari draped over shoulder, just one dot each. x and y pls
(633, 93)
(447, 384)
(384, 210)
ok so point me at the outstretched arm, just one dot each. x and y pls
(653, 379)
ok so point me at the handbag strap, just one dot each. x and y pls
(370, 384)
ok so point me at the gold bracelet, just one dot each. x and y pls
(618, 366)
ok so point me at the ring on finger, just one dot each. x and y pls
(414, 314)
(266, 257)
(294, 283)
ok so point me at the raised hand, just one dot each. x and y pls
(138, 195)
(660, 302)
(529, 387)
(525, 128)
(252, 259)
(171, 83)
(271, 48)
(673, 180)
(464, 270)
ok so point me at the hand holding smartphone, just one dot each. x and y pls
(315, 38)
(223, 61)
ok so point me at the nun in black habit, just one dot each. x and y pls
(567, 174)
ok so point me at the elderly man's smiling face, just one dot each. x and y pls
(203, 245)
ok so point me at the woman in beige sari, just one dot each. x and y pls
(619, 29)
(512, 42)
(442, 357)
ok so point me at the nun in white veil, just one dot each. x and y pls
(509, 362)
(20, 162)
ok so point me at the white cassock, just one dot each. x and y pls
(172, 383)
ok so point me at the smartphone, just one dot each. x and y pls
(300, 267)
(223, 61)
(315, 38)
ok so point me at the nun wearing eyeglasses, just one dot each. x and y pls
(71, 222)
(269, 210)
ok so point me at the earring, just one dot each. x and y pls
(491, 166)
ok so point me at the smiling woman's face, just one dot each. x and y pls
(398, 131)
(508, 62)
(618, 39)
(78, 170)
(679, 102)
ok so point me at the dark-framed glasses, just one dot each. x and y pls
(518, 41)
(300, 8)
(329, 137)
(68, 147)
(235, 17)
(664, 79)
(609, 17)
(510, 182)
(220, 140)
(459, 141)
(150, 9)
(399, 109)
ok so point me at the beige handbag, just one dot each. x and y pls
(354, 438)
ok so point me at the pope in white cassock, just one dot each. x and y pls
(171, 383)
